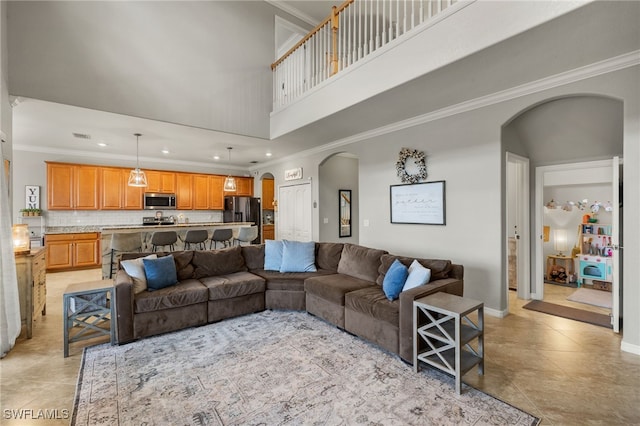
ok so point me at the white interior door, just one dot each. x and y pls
(615, 239)
(518, 225)
(295, 213)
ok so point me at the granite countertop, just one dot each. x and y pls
(107, 229)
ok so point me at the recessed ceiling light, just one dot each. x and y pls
(165, 151)
(216, 157)
(102, 144)
(269, 154)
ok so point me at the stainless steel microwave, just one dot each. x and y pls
(153, 201)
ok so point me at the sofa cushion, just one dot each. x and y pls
(333, 287)
(135, 269)
(298, 256)
(185, 293)
(293, 281)
(418, 275)
(328, 255)
(394, 280)
(360, 262)
(233, 285)
(372, 302)
(211, 263)
(273, 251)
(439, 268)
(253, 256)
(184, 268)
(160, 272)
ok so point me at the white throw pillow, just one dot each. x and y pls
(418, 275)
(135, 269)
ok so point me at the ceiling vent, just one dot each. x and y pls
(81, 135)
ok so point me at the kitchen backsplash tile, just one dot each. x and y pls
(55, 218)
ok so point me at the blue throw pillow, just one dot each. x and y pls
(394, 280)
(272, 255)
(298, 256)
(160, 272)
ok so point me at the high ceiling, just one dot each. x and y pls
(49, 126)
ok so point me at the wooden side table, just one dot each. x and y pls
(564, 261)
(91, 308)
(444, 333)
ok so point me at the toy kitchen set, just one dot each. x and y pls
(595, 258)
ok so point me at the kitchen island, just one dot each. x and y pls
(147, 230)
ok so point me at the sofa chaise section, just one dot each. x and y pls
(356, 269)
(370, 315)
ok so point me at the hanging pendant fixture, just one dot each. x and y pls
(230, 181)
(137, 176)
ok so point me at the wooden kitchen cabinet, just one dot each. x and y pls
(267, 194)
(216, 192)
(32, 287)
(184, 191)
(244, 186)
(200, 192)
(115, 192)
(72, 251)
(268, 232)
(162, 182)
(72, 187)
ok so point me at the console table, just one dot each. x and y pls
(90, 307)
(444, 334)
(32, 286)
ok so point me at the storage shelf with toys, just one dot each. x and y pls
(596, 249)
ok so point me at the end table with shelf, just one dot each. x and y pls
(88, 307)
(444, 334)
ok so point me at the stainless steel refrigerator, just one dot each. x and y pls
(243, 209)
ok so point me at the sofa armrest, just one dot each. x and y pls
(123, 285)
(405, 336)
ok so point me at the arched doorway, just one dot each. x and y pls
(562, 134)
(338, 172)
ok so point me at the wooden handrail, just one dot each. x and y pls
(333, 18)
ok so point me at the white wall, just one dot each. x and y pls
(199, 63)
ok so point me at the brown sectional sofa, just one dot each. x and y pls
(346, 291)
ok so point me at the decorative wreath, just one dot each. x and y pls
(419, 159)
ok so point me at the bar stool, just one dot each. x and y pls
(163, 238)
(122, 243)
(220, 235)
(196, 237)
(246, 235)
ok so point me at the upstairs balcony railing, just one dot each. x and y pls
(354, 30)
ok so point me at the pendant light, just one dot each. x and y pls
(137, 176)
(230, 181)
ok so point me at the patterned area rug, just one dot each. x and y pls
(271, 368)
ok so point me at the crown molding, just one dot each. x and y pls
(293, 11)
(93, 155)
(605, 66)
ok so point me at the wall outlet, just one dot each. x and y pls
(326, 220)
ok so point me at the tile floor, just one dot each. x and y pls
(564, 371)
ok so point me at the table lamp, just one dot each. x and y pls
(21, 240)
(560, 241)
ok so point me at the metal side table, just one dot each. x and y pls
(90, 307)
(444, 334)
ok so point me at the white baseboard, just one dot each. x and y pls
(628, 347)
(496, 313)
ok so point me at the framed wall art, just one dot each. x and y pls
(419, 203)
